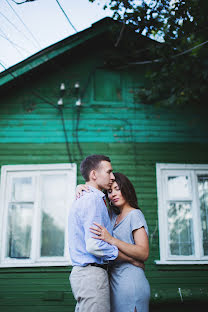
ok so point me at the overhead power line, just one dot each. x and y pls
(173, 56)
(13, 43)
(66, 16)
(1, 63)
(22, 1)
(24, 24)
(189, 50)
(17, 29)
(56, 107)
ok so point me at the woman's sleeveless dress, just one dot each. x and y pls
(129, 286)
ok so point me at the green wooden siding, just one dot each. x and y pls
(35, 289)
(27, 116)
(48, 289)
(98, 123)
(134, 135)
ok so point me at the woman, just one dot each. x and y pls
(130, 289)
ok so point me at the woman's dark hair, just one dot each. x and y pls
(127, 191)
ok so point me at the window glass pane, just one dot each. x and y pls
(203, 199)
(54, 209)
(180, 228)
(178, 187)
(22, 189)
(19, 230)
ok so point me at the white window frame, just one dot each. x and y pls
(35, 260)
(191, 170)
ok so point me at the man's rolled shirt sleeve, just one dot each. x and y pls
(95, 211)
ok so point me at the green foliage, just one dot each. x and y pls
(180, 77)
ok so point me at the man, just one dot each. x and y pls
(89, 278)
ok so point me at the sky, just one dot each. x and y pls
(28, 28)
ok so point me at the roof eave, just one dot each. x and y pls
(52, 51)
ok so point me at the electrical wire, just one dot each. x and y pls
(32, 92)
(47, 101)
(189, 50)
(172, 56)
(17, 29)
(120, 34)
(44, 99)
(2, 65)
(65, 133)
(22, 1)
(77, 131)
(39, 46)
(60, 109)
(66, 16)
(82, 93)
(56, 107)
(11, 43)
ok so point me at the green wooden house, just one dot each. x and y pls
(73, 99)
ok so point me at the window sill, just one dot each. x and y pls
(179, 262)
(38, 264)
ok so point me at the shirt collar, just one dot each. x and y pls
(98, 192)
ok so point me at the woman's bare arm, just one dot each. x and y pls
(138, 251)
(123, 257)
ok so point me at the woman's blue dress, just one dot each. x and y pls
(129, 287)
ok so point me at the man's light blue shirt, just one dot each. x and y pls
(83, 248)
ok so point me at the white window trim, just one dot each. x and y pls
(177, 260)
(34, 262)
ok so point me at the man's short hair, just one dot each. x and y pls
(90, 163)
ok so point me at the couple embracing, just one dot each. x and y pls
(108, 243)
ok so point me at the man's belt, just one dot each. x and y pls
(103, 266)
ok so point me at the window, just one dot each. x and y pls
(183, 213)
(107, 86)
(35, 200)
